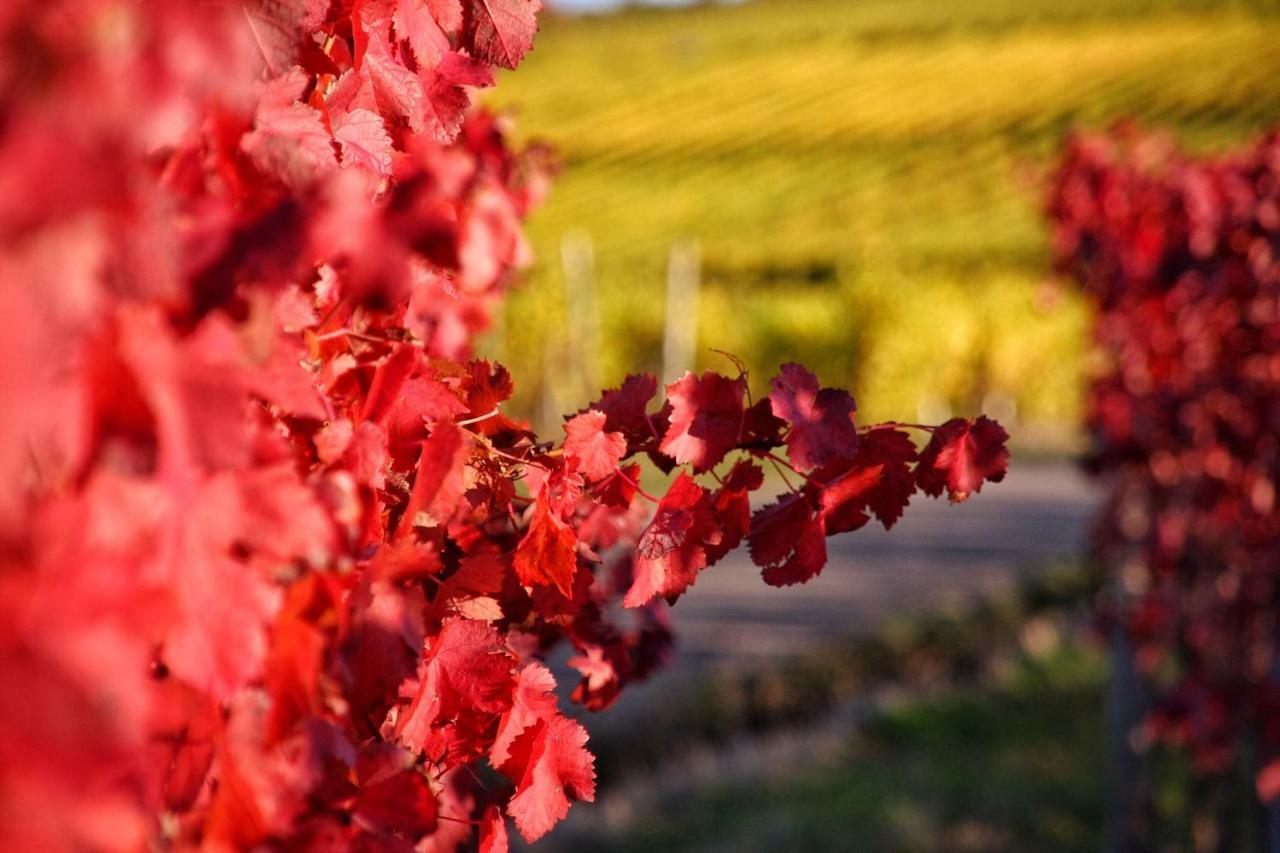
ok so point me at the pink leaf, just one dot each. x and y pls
(500, 32)
(363, 139)
(598, 452)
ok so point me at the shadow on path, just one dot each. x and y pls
(938, 557)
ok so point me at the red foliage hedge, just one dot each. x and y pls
(1181, 259)
(277, 569)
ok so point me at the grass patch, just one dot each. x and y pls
(1015, 763)
(917, 653)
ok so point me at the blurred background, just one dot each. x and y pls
(853, 184)
(857, 185)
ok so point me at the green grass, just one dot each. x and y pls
(1017, 764)
(861, 176)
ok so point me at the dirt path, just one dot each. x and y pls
(938, 556)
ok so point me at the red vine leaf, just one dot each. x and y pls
(441, 478)
(731, 505)
(787, 540)
(598, 452)
(289, 140)
(534, 701)
(500, 32)
(548, 553)
(394, 797)
(416, 22)
(821, 420)
(776, 528)
(671, 550)
(363, 139)
(706, 418)
(806, 561)
(879, 479)
(493, 831)
(625, 407)
(961, 455)
(467, 668)
(559, 766)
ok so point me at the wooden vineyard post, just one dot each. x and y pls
(577, 263)
(680, 337)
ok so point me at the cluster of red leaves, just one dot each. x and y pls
(1181, 258)
(275, 568)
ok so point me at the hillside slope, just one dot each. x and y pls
(860, 176)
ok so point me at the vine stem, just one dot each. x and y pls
(496, 452)
(490, 414)
(778, 459)
(641, 492)
(465, 820)
(899, 425)
(475, 776)
(773, 460)
(360, 336)
(648, 419)
(808, 478)
(489, 444)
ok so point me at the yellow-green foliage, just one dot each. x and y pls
(862, 178)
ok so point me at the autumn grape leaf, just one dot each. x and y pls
(532, 702)
(879, 479)
(761, 428)
(394, 797)
(600, 668)
(619, 489)
(218, 641)
(281, 519)
(416, 23)
(671, 550)
(276, 26)
(388, 377)
(961, 455)
(441, 478)
(805, 562)
(559, 766)
(788, 541)
(548, 553)
(471, 590)
(894, 451)
(467, 667)
(500, 32)
(625, 407)
(486, 386)
(844, 501)
(289, 139)
(363, 139)
(493, 831)
(731, 505)
(821, 420)
(446, 104)
(776, 528)
(448, 14)
(296, 654)
(397, 91)
(420, 401)
(706, 418)
(597, 451)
